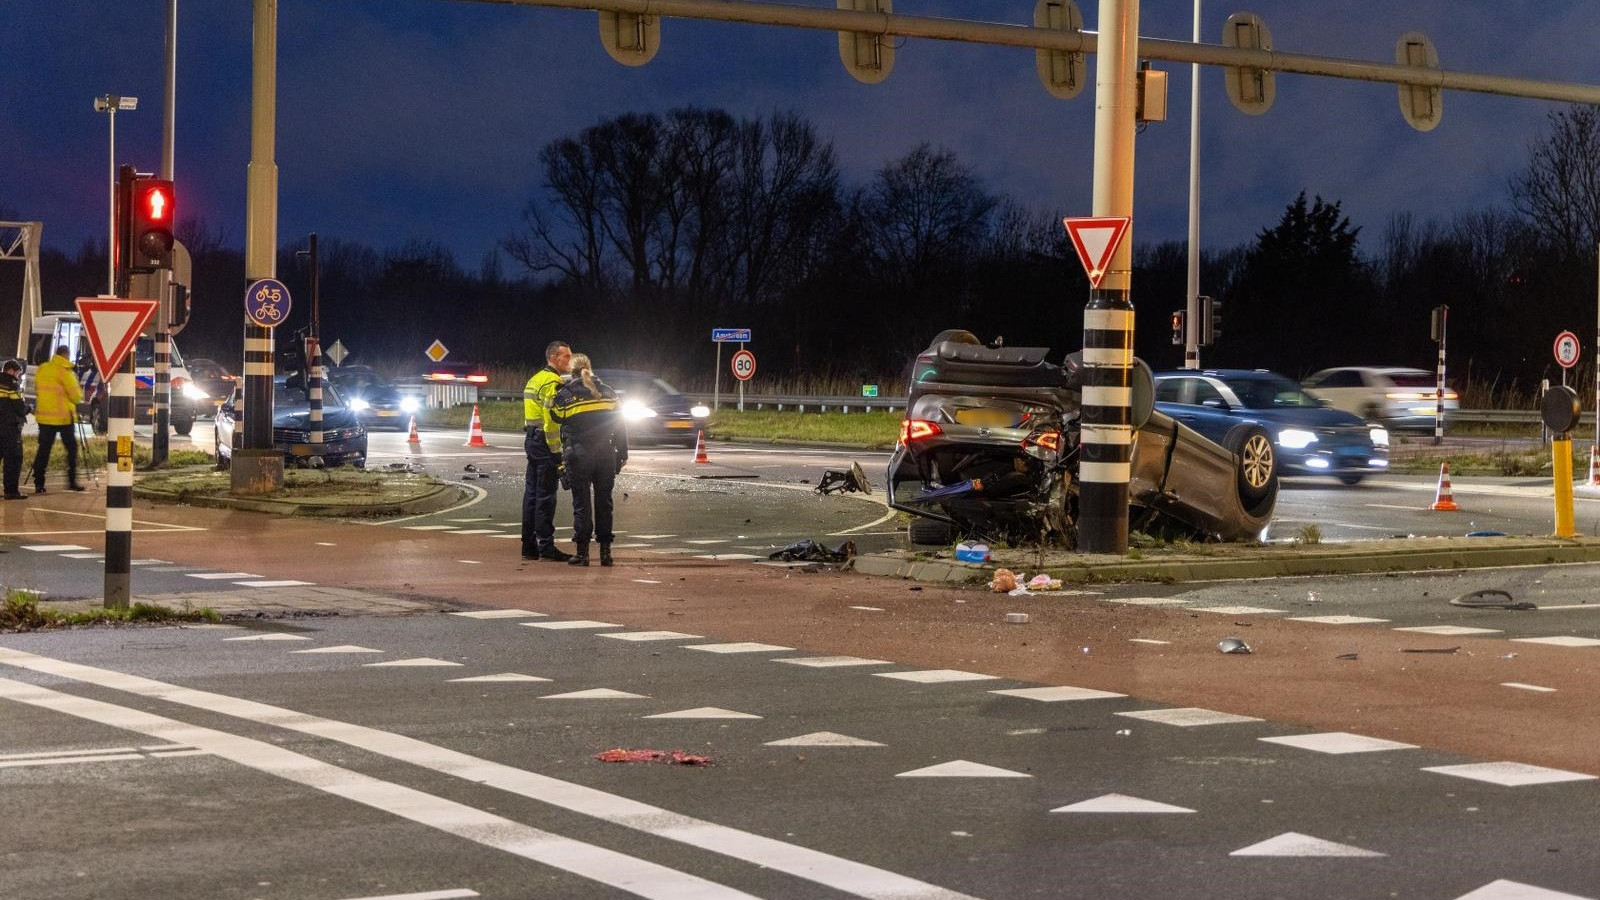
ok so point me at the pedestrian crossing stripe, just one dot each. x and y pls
(1292, 843)
(961, 768)
(1120, 803)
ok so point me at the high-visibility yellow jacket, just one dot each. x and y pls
(538, 397)
(56, 392)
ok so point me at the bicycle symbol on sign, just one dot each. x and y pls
(267, 302)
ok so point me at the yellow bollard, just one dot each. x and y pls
(1561, 466)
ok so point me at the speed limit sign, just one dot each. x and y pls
(1567, 349)
(744, 365)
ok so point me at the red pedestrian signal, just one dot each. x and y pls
(153, 210)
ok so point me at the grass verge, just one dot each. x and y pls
(92, 455)
(21, 612)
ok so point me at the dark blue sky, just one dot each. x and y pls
(403, 119)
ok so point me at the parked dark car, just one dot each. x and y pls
(655, 411)
(1309, 435)
(344, 437)
(991, 443)
(212, 379)
(376, 400)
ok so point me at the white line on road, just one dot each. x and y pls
(451, 894)
(618, 870)
(848, 876)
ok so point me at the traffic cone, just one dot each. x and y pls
(1594, 475)
(700, 448)
(1442, 501)
(413, 438)
(475, 435)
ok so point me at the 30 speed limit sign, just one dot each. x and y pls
(744, 365)
(1567, 349)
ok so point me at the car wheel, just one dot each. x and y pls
(1351, 479)
(98, 418)
(1371, 412)
(929, 532)
(1258, 462)
(183, 426)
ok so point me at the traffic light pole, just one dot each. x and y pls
(161, 392)
(1107, 436)
(314, 352)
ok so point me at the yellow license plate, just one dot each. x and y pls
(387, 412)
(680, 424)
(991, 418)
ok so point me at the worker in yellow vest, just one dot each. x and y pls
(56, 398)
(541, 442)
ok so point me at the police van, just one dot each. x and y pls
(58, 329)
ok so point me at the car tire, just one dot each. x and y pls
(1351, 479)
(98, 418)
(1257, 460)
(1371, 413)
(183, 426)
(927, 532)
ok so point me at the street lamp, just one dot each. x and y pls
(109, 104)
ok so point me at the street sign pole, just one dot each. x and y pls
(1438, 396)
(741, 382)
(716, 380)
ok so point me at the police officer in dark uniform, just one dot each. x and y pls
(595, 448)
(542, 444)
(13, 413)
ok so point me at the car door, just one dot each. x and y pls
(1198, 404)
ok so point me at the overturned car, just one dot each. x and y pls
(990, 448)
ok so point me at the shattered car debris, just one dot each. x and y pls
(990, 447)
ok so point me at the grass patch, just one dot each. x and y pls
(21, 612)
(328, 487)
(1525, 463)
(92, 455)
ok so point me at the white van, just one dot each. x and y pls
(57, 329)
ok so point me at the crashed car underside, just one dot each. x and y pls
(990, 447)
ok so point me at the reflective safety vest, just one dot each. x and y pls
(56, 392)
(538, 397)
(586, 415)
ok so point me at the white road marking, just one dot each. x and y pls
(478, 531)
(1337, 742)
(341, 648)
(1503, 889)
(478, 519)
(500, 614)
(52, 548)
(272, 584)
(710, 541)
(703, 712)
(1145, 601)
(1571, 606)
(595, 694)
(1560, 640)
(1527, 687)
(448, 894)
(271, 636)
(1058, 694)
(652, 636)
(646, 581)
(823, 739)
(1292, 843)
(430, 528)
(83, 556)
(221, 576)
(503, 676)
(417, 663)
(1509, 774)
(844, 875)
(739, 647)
(832, 662)
(1188, 717)
(868, 608)
(570, 625)
(961, 768)
(1119, 803)
(936, 676)
(626, 873)
(1335, 620)
(1236, 610)
(1146, 641)
(1448, 629)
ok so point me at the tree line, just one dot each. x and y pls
(649, 230)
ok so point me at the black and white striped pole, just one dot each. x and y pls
(1107, 419)
(314, 372)
(1441, 322)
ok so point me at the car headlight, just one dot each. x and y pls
(1380, 436)
(700, 411)
(359, 403)
(410, 404)
(633, 411)
(193, 392)
(1296, 438)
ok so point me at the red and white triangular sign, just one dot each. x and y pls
(1096, 239)
(112, 324)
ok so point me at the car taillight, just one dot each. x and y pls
(442, 376)
(1413, 395)
(918, 429)
(478, 379)
(1049, 440)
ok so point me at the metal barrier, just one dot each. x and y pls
(445, 394)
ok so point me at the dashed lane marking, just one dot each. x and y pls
(704, 712)
(961, 768)
(1147, 641)
(221, 576)
(90, 555)
(608, 867)
(833, 662)
(595, 694)
(1188, 717)
(448, 894)
(739, 647)
(1236, 610)
(420, 662)
(1516, 890)
(272, 636)
(1560, 640)
(823, 739)
(1509, 774)
(1448, 630)
(430, 528)
(1527, 687)
(1119, 803)
(502, 677)
(652, 636)
(1336, 620)
(500, 614)
(341, 648)
(936, 676)
(1057, 694)
(52, 548)
(570, 625)
(272, 584)
(1145, 601)
(1337, 742)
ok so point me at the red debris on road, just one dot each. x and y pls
(674, 757)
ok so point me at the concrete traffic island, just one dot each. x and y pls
(341, 492)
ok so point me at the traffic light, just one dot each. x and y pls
(1177, 327)
(1210, 321)
(1436, 323)
(150, 214)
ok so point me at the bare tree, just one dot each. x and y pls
(1559, 192)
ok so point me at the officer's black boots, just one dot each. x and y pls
(580, 558)
(554, 554)
(605, 554)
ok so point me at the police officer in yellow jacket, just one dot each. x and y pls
(13, 413)
(56, 398)
(541, 442)
(595, 448)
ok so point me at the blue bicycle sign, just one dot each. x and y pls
(267, 302)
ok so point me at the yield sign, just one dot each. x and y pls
(1096, 240)
(112, 325)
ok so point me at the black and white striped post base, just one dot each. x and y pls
(1104, 467)
(119, 488)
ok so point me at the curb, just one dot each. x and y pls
(435, 499)
(1395, 557)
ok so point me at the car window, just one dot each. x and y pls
(1205, 390)
(1170, 390)
(1412, 379)
(1344, 378)
(1270, 392)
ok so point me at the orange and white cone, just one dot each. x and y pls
(1442, 501)
(413, 437)
(1594, 474)
(475, 434)
(700, 448)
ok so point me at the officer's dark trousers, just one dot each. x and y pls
(593, 470)
(47, 440)
(538, 495)
(11, 460)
